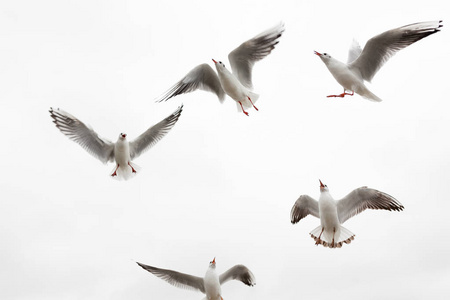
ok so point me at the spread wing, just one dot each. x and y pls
(86, 137)
(305, 205)
(365, 198)
(177, 279)
(238, 272)
(380, 48)
(354, 52)
(201, 77)
(244, 57)
(153, 134)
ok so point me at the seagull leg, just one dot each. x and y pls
(318, 239)
(342, 95)
(252, 103)
(243, 108)
(132, 169)
(115, 171)
(334, 231)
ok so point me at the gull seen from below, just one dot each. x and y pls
(364, 64)
(333, 214)
(122, 152)
(238, 84)
(210, 284)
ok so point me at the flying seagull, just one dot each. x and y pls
(122, 152)
(210, 284)
(238, 84)
(333, 214)
(364, 64)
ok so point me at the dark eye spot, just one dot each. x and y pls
(324, 54)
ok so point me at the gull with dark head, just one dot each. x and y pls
(238, 83)
(333, 214)
(210, 284)
(362, 65)
(122, 151)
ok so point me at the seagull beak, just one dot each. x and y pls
(317, 53)
(214, 260)
(214, 61)
(124, 135)
(321, 184)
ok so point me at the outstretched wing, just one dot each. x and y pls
(244, 57)
(201, 77)
(177, 279)
(365, 198)
(305, 205)
(153, 134)
(354, 52)
(83, 135)
(380, 48)
(238, 272)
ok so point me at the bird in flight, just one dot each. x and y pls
(122, 151)
(333, 214)
(238, 83)
(210, 284)
(362, 65)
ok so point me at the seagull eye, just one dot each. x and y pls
(324, 54)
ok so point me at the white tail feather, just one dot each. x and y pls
(246, 103)
(345, 236)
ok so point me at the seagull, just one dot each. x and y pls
(364, 64)
(333, 213)
(210, 284)
(122, 152)
(238, 84)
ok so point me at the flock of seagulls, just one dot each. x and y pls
(362, 65)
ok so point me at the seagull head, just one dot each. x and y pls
(122, 136)
(323, 187)
(219, 65)
(212, 264)
(323, 56)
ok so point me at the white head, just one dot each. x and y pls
(323, 187)
(122, 136)
(220, 66)
(212, 264)
(323, 56)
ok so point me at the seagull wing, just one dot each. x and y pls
(86, 137)
(380, 48)
(238, 272)
(365, 198)
(177, 279)
(244, 57)
(305, 205)
(354, 52)
(201, 77)
(153, 134)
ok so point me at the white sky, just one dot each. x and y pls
(220, 184)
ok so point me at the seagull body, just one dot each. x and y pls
(238, 83)
(122, 152)
(210, 284)
(362, 65)
(334, 213)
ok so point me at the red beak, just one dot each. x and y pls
(317, 53)
(321, 184)
(214, 260)
(214, 61)
(124, 135)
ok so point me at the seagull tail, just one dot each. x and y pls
(125, 172)
(369, 95)
(345, 236)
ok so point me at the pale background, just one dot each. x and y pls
(220, 184)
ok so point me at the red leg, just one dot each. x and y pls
(132, 169)
(318, 239)
(342, 95)
(243, 108)
(252, 103)
(115, 171)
